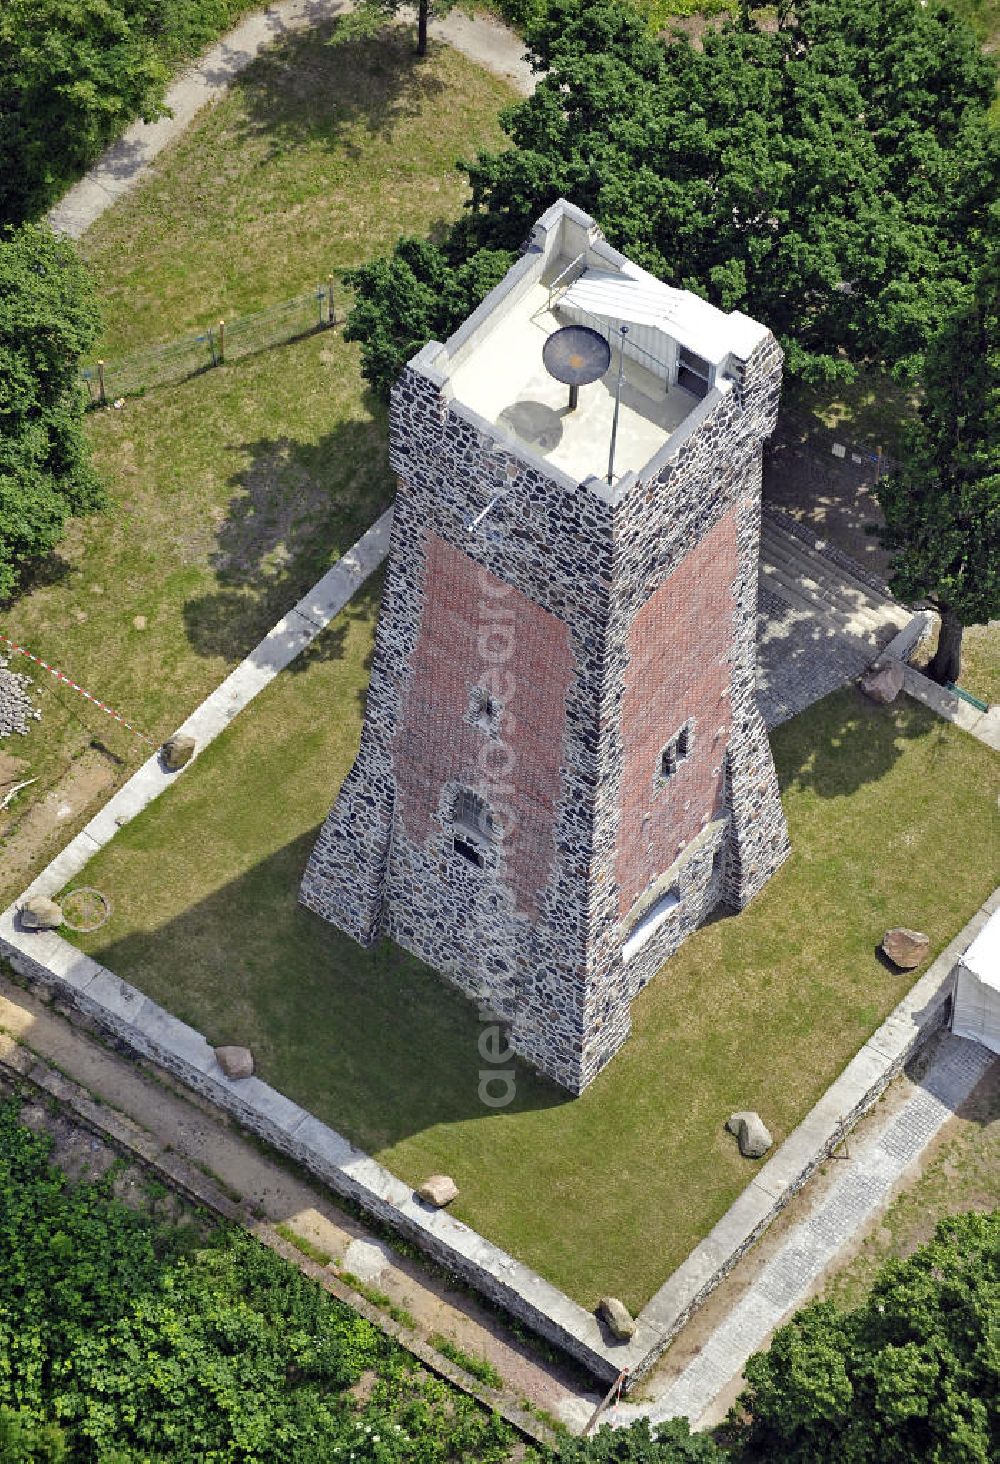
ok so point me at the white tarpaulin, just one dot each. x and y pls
(976, 1012)
(638, 298)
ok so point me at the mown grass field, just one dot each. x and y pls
(233, 491)
(606, 1193)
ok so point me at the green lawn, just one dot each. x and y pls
(610, 1191)
(235, 490)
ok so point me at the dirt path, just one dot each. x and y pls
(481, 38)
(144, 1112)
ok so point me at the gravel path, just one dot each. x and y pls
(17, 711)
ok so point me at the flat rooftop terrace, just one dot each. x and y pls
(502, 378)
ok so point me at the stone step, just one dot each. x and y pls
(796, 590)
(784, 549)
(832, 622)
(847, 599)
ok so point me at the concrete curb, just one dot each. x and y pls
(283, 642)
(984, 726)
(922, 1012)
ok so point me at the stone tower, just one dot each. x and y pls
(563, 769)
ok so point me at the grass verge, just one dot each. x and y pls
(606, 1193)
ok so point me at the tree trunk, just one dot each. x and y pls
(422, 11)
(947, 662)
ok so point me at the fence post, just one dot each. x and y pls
(222, 341)
(100, 383)
(331, 312)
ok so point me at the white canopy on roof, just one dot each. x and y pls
(638, 298)
(976, 1012)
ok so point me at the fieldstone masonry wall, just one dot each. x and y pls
(542, 662)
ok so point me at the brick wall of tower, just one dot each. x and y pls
(477, 633)
(676, 676)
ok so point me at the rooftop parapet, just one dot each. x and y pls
(681, 355)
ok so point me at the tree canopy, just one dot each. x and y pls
(831, 175)
(942, 501)
(48, 319)
(911, 1374)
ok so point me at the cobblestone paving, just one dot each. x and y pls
(876, 1165)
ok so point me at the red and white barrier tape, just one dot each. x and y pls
(60, 676)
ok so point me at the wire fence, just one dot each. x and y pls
(224, 340)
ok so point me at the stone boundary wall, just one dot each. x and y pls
(22, 1068)
(147, 1030)
(923, 1011)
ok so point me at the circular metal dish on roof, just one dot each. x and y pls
(576, 355)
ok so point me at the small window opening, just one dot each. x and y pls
(677, 750)
(484, 710)
(474, 826)
(470, 851)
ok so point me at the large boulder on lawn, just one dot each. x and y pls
(751, 1132)
(883, 681)
(41, 913)
(616, 1317)
(235, 1062)
(438, 1190)
(905, 948)
(177, 751)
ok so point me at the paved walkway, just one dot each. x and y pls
(482, 39)
(819, 625)
(877, 1164)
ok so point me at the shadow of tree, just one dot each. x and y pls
(295, 509)
(314, 87)
(833, 496)
(846, 740)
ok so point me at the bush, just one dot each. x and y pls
(122, 1339)
(909, 1375)
(48, 319)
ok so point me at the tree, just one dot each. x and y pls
(672, 1443)
(908, 1375)
(73, 74)
(831, 175)
(942, 503)
(412, 298)
(24, 1440)
(48, 319)
(369, 16)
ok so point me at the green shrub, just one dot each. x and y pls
(48, 319)
(909, 1375)
(126, 1340)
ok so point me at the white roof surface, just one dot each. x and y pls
(983, 956)
(641, 299)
